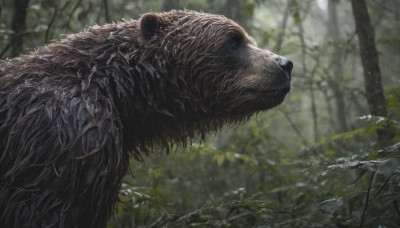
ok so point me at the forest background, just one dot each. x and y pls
(327, 157)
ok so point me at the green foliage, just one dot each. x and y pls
(393, 102)
(249, 7)
(249, 179)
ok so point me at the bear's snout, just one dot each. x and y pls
(286, 65)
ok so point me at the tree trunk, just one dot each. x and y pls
(334, 34)
(314, 111)
(106, 12)
(370, 62)
(282, 29)
(18, 25)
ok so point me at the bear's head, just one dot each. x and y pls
(214, 61)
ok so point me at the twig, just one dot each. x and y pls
(8, 46)
(282, 29)
(46, 35)
(71, 14)
(366, 200)
(381, 188)
(305, 142)
(387, 8)
(5, 50)
(363, 172)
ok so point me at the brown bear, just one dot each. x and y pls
(73, 112)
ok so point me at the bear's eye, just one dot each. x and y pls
(235, 44)
(235, 41)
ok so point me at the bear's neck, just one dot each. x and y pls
(158, 109)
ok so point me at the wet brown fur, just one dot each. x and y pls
(74, 111)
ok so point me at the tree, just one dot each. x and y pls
(370, 62)
(334, 34)
(282, 29)
(18, 26)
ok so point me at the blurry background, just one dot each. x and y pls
(328, 156)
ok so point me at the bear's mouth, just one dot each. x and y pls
(276, 92)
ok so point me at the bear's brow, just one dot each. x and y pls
(239, 32)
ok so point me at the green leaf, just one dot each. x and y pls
(330, 152)
(296, 17)
(220, 159)
(249, 7)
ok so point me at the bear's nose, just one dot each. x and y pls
(286, 65)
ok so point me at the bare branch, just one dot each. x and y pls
(366, 200)
(46, 35)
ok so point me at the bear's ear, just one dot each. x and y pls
(149, 24)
